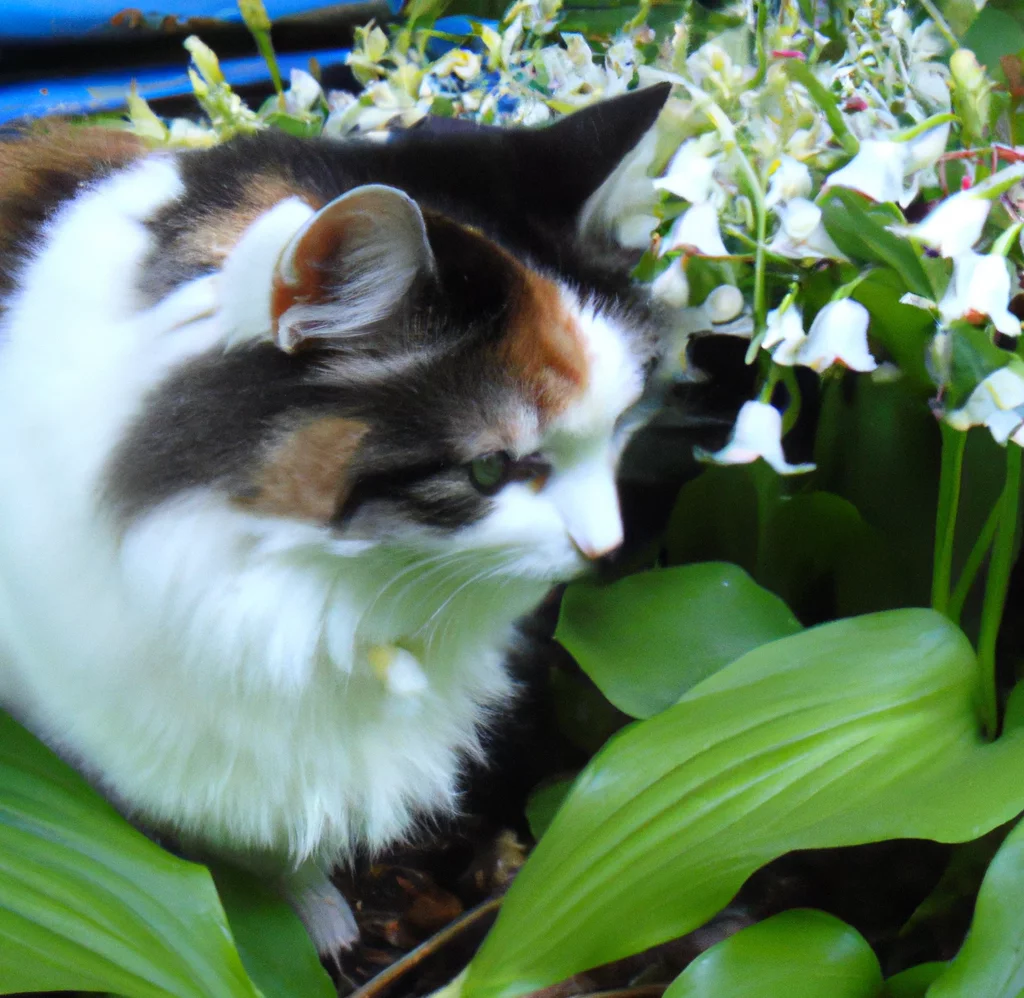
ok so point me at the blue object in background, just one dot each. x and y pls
(67, 20)
(108, 91)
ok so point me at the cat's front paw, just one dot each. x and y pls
(324, 912)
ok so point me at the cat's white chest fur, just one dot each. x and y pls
(221, 675)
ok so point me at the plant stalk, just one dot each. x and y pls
(973, 565)
(953, 444)
(996, 586)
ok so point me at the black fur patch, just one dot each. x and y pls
(480, 189)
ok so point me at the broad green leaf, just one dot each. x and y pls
(824, 560)
(860, 230)
(796, 954)
(996, 33)
(273, 944)
(904, 331)
(878, 447)
(991, 961)
(974, 357)
(716, 519)
(648, 638)
(856, 731)
(543, 805)
(913, 982)
(88, 903)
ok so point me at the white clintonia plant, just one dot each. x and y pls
(771, 173)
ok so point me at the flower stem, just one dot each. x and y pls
(940, 22)
(762, 55)
(996, 586)
(973, 564)
(953, 444)
(792, 413)
(756, 189)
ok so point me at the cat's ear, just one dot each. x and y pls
(349, 266)
(569, 160)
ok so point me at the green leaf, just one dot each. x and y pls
(797, 954)
(974, 358)
(904, 330)
(996, 33)
(799, 71)
(303, 128)
(648, 638)
(823, 559)
(715, 518)
(857, 731)
(859, 229)
(991, 961)
(544, 804)
(88, 903)
(274, 946)
(913, 982)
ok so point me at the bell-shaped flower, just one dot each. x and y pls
(691, 170)
(696, 231)
(953, 226)
(671, 285)
(802, 234)
(302, 94)
(784, 334)
(924, 150)
(993, 403)
(980, 287)
(877, 171)
(838, 335)
(724, 303)
(757, 434)
(791, 179)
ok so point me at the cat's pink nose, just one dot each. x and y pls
(592, 550)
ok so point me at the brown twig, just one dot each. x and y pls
(377, 985)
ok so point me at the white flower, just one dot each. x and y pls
(690, 171)
(900, 23)
(634, 231)
(791, 179)
(303, 92)
(802, 235)
(993, 403)
(785, 333)
(877, 171)
(671, 285)
(696, 230)
(838, 335)
(980, 287)
(724, 303)
(953, 226)
(925, 150)
(757, 434)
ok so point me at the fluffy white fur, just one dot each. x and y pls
(267, 688)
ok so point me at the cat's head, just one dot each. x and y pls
(406, 371)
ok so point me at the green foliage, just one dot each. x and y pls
(856, 731)
(991, 962)
(89, 903)
(797, 954)
(649, 638)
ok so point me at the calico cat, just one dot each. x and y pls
(292, 432)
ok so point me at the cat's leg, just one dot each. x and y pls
(322, 908)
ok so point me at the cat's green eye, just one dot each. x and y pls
(490, 472)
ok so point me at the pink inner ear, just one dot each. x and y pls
(318, 245)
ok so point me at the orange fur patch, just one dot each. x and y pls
(545, 346)
(49, 165)
(306, 475)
